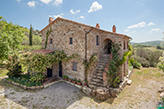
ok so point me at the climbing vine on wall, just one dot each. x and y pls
(126, 54)
(115, 63)
(40, 62)
(91, 62)
(47, 34)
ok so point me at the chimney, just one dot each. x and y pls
(114, 29)
(51, 20)
(97, 25)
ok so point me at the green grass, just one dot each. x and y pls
(27, 48)
(3, 72)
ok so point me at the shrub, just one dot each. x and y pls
(134, 63)
(161, 62)
(13, 66)
(38, 77)
(154, 58)
(65, 76)
(141, 60)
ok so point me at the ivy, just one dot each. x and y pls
(40, 62)
(90, 63)
(47, 34)
(113, 65)
(126, 55)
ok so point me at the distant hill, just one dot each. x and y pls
(148, 43)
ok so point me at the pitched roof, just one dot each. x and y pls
(59, 18)
(43, 51)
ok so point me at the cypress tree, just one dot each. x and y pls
(30, 36)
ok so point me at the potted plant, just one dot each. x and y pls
(69, 80)
(65, 78)
(74, 81)
(85, 83)
(78, 82)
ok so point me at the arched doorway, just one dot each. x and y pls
(107, 46)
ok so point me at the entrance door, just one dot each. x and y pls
(49, 72)
(60, 69)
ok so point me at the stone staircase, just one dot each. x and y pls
(97, 79)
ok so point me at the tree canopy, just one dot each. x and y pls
(10, 38)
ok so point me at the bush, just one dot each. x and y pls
(161, 62)
(154, 58)
(141, 60)
(134, 63)
(39, 77)
(13, 66)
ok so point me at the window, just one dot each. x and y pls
(71, 41)
(124, 45)
(75, 66)
(50, 41)
(97, 40)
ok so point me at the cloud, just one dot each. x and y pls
(77, 11)
(81, 17)
(133, 31)
(154, 29)
(56, 16)
(62, 14)
(95, 6)
(126, 31)
(18, 1)
(142, 24)
(151, 23)
(57, 2)
(31, 3)
(46, 1)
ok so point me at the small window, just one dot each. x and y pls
(50, 41)
(75, 66)
(71, 41)
(124, 45)
(97, 40)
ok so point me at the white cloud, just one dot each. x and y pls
(46, 1)
(126, 31)
(142, 24)
(151, 23)
(62, 14)
(133, 31)
(77, 11)
(56, 16)
(95, 6)
(18, 1)
(31, 3)
(81, 17)
(57, 2)
(142, 4)
(154, 29)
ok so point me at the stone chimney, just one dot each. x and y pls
(97, 25)
(51, 20)
(114, 29)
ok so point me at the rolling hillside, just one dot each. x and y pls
(149, 43)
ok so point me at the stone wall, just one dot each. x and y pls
(63, 30)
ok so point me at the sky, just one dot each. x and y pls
(143, 20)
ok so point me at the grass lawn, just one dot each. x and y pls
(3, 72)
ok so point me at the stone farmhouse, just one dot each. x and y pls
(84, 40)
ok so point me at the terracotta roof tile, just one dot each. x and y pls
(43, 51)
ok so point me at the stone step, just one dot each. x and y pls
(99, 74)
(103, 61)
(97, 80)
(93, 83)
(92, 86)
(102, 64)
(100, 85)
(100, 77)
(99, 69)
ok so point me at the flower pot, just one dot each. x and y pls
(69, 80)
(74, 82)
(66, 79)
(85, 83)
(79, 83)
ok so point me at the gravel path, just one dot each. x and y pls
(142, 94)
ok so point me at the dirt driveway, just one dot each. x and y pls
(142, 94)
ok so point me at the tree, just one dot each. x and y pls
(10, 38)
(30, 36)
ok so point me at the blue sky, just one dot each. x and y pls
(143, 20)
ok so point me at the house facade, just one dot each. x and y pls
(84, 40)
